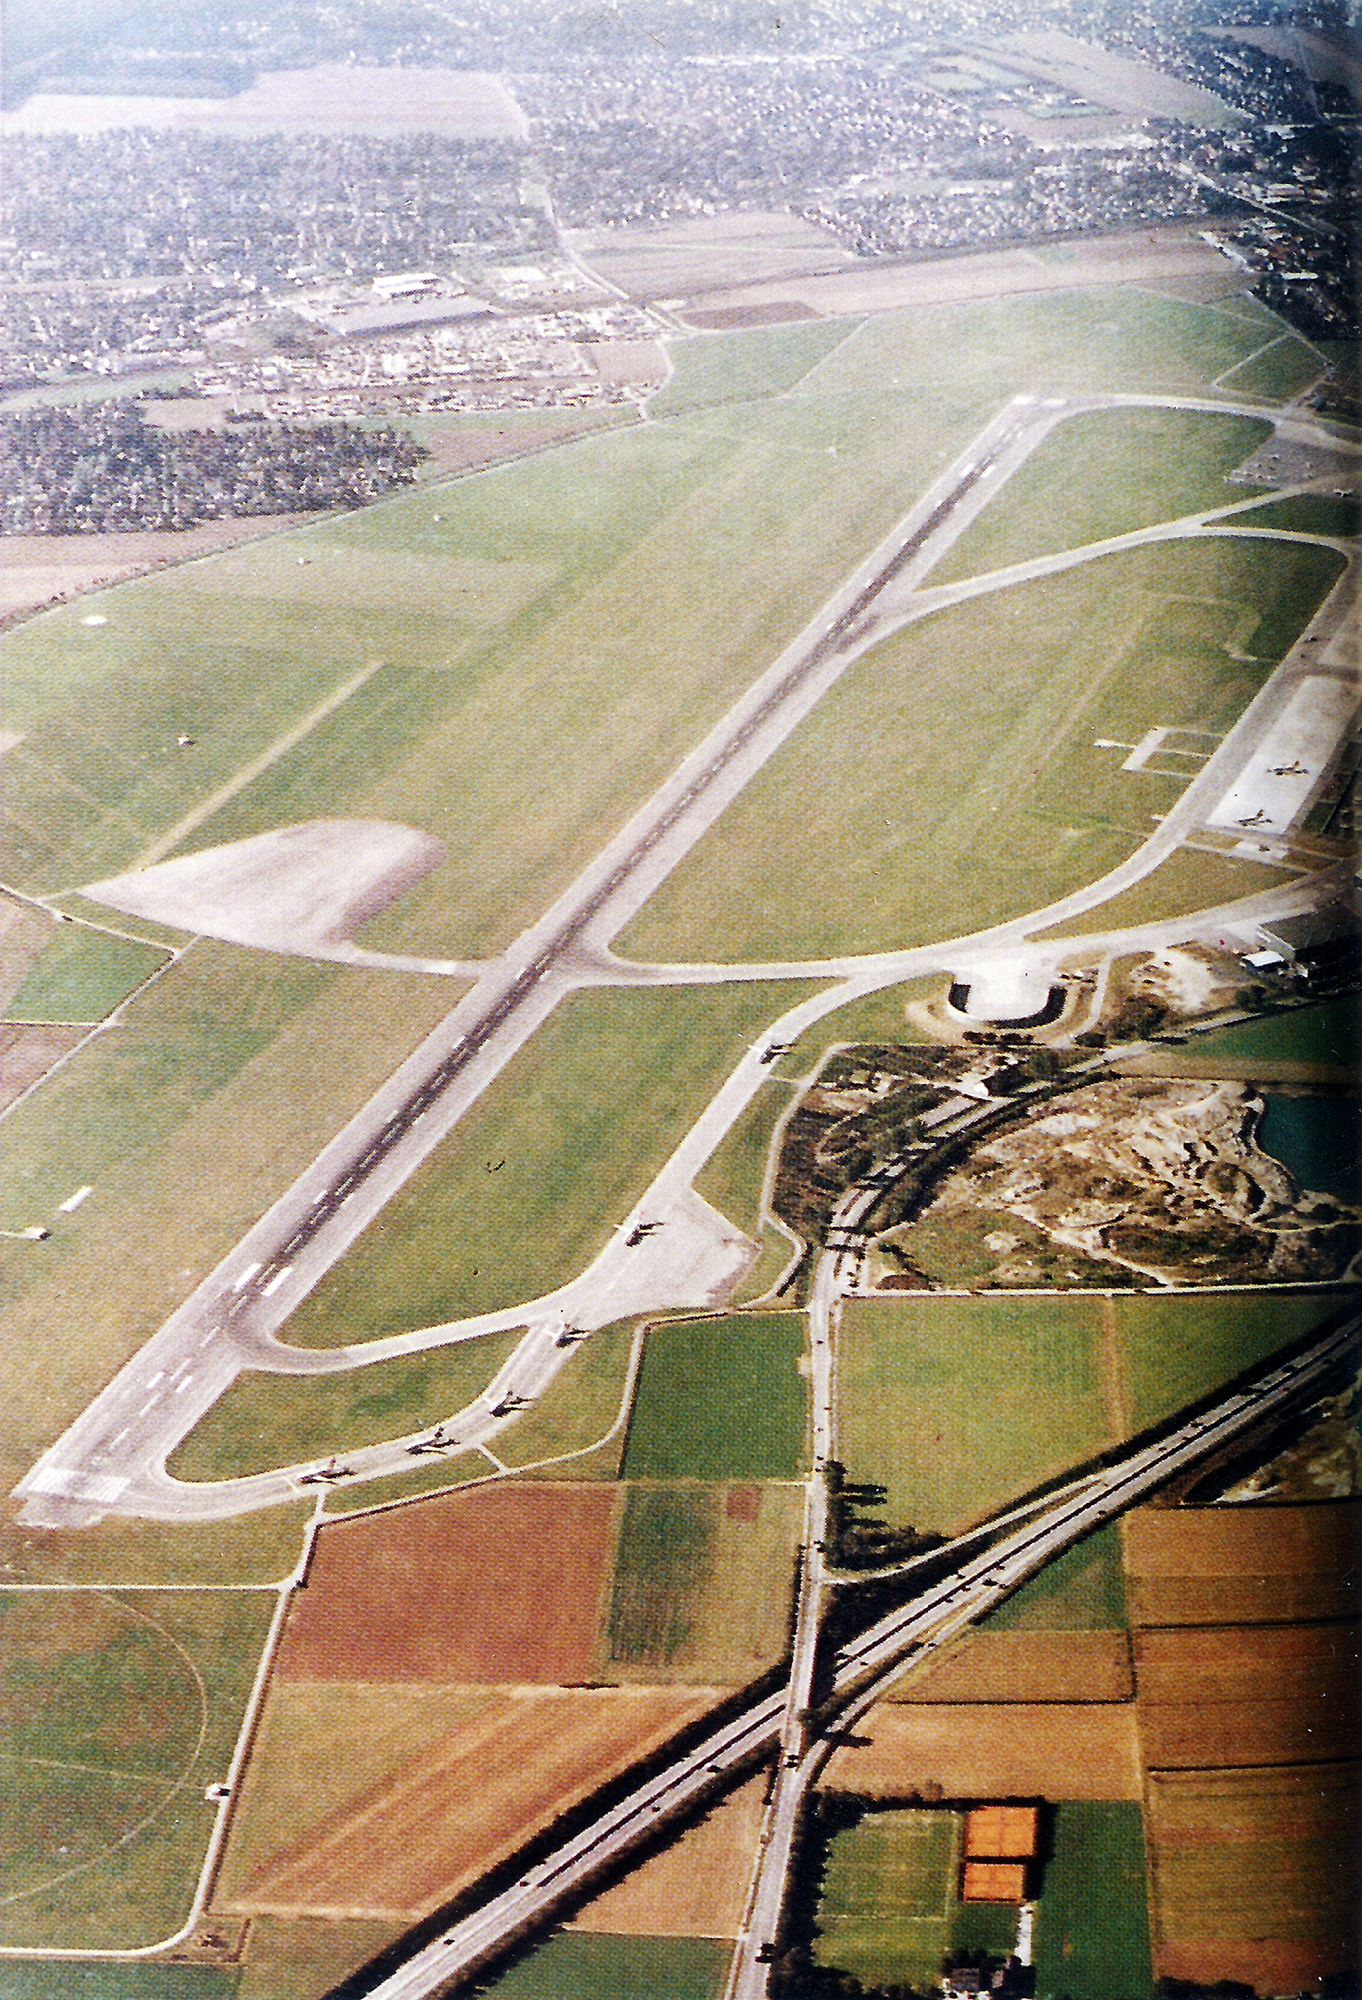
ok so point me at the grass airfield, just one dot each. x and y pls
(555, 634)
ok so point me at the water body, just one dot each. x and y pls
(1318, 1138)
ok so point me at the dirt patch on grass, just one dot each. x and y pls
(697, 1887)
(28, 1053)
(1243, 1565)
(1000, 1750)
(1029, 1667)
(1253, 1874)
(725, 319)
(1143, 257)
(36, 570)
(444, 1817)
(502, 1584)
(463, 448)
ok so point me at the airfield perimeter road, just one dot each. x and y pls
(112, 1456)
(859, 1672)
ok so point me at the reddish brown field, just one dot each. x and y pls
(463, 448)
(28, 1053)
(1030, 1667)
(996, 1750)
(1253, 1874)
(1242, 1565)
(446, 1816)
(694, 1888)
(504, 1583)
(1219, 1696)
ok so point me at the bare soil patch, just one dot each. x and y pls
(1143, 257)
(37, 570)
(1247, 1694)
(640, 363)
(1053, 1750)
(24, 934)
(683, 258)
(463, 448)
(28, 1053)
(694, 1888)
(723, 319)
(299, 888)
(1242, 1565)
(447, 1815)
(1029, 1667)
(502, 1584)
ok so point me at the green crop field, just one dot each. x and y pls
(1309, 514)
(1175, 1350)
(738, 367)
(119, 1709)
(1328, 1032)
(720, 1399)
(1082, 1590)
(1104, 473)
(33, 1979)
(297, 1958)
(956, 1405)
(1092, 1922)
(266, 1420)
(82, 976)
(530, 1184)
(666, 1557)
(576, 1965)
(889, 1907)
(951, 778)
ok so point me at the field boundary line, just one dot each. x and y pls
(112, 1020)
(1257, 353)
(248, 773)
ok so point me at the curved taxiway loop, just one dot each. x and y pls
(113, 1456)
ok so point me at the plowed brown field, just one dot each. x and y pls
(1242, 1565)
(448, 1815)
(1253, 1874)
(1053, 1751)
(694, 1888)
(505, 1583)
(1030, 1667)
(1222, 1696)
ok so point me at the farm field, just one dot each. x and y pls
(1082, 1590)
(1174, 1350)
(1277, 373)
(119, 1709)
(509, 1765)
(888, 1909)
(743, 367)
(296, 1958)
(863, 836)
(577, 1967)
(1092, 1920)
(1253, 1873)
(704, 251)
(1241, 1565)
(694, 1887)
(82, 976)
(995, 1749)
(31, 1979)
(1246, 1694)
(265, 1420)
(1104, 473)
(504, 1583)
(720, 1399)
(957, 1405)
(703, 1582)
(579, 1120)
(1028, 1665)
(1328, 1032)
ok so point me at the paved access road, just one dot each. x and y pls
(860, 1671)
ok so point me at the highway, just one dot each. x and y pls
(860, 1671)
(112, 1456)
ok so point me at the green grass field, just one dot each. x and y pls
(1309, 514)
(665, 1559)
(955, 1405)
(889, 1908)
(951, 779)
(1092, 1923)
(267, 1420)
(1329, 1032)
(257, 1549)
(576, 1412)
(575, 1965)
(119, 1710)
(747, 365)
(1138, 466)
(32, 1979)
(582, 1118)
(82, 976)
(720, 1399)
(1175, 1350)
(1082, 1590)
(297, 1958)
(1276, 374)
